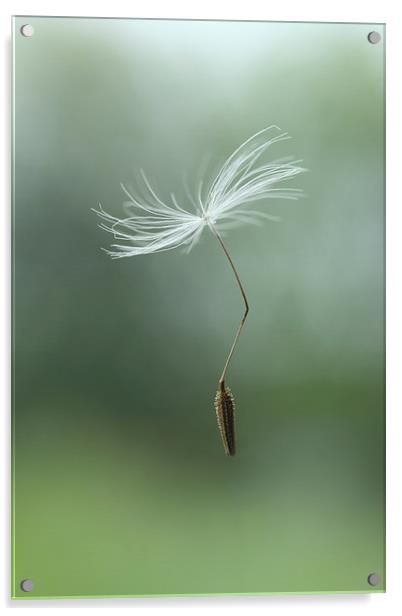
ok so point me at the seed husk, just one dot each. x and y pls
(225, 407)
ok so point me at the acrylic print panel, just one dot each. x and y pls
(135, 470)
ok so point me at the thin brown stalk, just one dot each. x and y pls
(246, 305)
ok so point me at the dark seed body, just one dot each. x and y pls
(224, 407)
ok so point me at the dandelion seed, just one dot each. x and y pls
(153, 225)
(224, 407)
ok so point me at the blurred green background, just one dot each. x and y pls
(121, 485)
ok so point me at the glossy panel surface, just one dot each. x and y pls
(120, 483)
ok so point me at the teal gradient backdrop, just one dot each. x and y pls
(120, 484)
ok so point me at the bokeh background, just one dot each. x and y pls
(120, 482)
